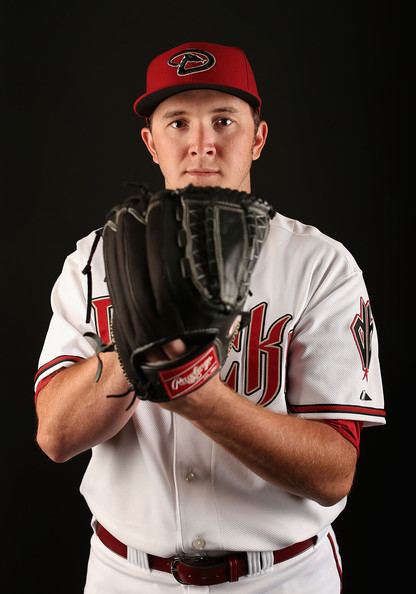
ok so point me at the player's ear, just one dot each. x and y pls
(147, 138)
(260, 139)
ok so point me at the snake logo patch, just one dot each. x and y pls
(362, 331)
(191, 60)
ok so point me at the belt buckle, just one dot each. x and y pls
(194, 561)
(187, 559)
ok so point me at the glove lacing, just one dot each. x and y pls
(101, 347)
(87, 270)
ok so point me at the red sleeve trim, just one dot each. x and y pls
(351, 430)
(53, 362)
(45, 381)
(335, 408)
(48, 366)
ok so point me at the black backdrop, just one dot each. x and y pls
(333, 81)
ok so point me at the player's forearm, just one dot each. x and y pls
(307, 458)
(74, 413)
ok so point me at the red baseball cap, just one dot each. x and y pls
(198, 65)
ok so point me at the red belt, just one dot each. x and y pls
(203, 571)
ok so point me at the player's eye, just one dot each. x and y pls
(223, 122)
(178, 124)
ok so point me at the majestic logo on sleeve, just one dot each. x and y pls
(191, 60)
(362, 331)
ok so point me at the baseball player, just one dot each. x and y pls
(234, 486)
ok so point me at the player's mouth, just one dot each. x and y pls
(202, 172)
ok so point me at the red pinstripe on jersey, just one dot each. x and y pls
(334, 551)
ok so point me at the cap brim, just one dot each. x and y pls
(146, 104)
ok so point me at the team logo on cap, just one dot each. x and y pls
(191, 60)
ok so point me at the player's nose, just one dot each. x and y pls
(202, 141)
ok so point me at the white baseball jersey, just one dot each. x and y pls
(161, 485)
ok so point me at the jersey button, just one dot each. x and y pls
(191, 476)
(199, 543)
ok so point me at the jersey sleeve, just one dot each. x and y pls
(333, 361)
(65, 343)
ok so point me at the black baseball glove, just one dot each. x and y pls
(178, 265)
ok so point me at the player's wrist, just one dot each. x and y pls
(200, 403)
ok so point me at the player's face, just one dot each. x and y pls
(205, 138)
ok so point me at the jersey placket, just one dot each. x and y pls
(197, 521)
